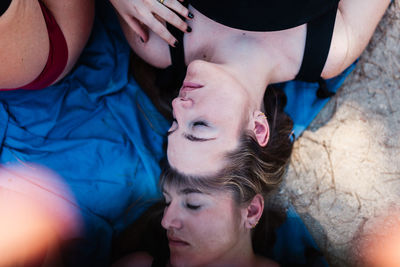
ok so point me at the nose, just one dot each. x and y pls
(171, 218)
(182, 102)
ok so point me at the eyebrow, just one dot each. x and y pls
(192, 138)
(186, 191)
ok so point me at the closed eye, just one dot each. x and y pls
(200, 123)
(193, 207)
(191, 137)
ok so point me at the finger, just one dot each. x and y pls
(158, 28)
(137, 27)
(178, 8)
(172, 18)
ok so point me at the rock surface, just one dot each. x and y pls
(345, 168)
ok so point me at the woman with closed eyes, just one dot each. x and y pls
(229, 54)
(206, 222)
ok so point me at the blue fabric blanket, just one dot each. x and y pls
(102, 135)
(98, 131)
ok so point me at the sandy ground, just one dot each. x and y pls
(345, 169)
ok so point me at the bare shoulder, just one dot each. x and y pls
(139, 259)
(155, 51)
(355, 24)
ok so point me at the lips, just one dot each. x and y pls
(190, 86)
(176, 242)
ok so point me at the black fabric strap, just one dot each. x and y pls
(4, 4)
(177, 52)
(169, 80)
(318, 43)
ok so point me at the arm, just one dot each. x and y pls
(355, 24)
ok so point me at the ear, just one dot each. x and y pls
(254, 211)
(261, 128)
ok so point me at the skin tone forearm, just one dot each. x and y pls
(360, 20)
(356, 21)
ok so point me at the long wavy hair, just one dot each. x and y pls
(251, 170)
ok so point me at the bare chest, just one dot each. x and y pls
(212, 41)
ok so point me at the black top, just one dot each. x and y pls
(159, 262)
(263, 15)
(4, 4)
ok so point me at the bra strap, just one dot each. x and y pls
(318, 43)
(178, 52)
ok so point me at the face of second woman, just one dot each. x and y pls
(210, 113)
(201, 227)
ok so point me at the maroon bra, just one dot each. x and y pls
(58, 54)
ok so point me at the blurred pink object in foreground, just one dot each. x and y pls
(378, 245)
(37, 212)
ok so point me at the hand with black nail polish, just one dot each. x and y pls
(141, 15)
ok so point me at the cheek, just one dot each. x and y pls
(225, 115)
(234, 110)
(212, 237)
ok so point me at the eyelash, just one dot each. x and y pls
(200, 123)
(196, 123)
(189, 206)
(192, 207)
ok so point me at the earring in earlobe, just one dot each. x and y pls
(262, 114)
(254, 225)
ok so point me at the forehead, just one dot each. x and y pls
(195, 158)
(202, 158)
(172, 178)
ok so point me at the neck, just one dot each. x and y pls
(252, 75)
(245, 59)
(254, 78)
(240, 255)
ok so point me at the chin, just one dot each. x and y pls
(179, 260)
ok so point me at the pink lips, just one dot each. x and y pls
(190, 86)
(176, 242)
